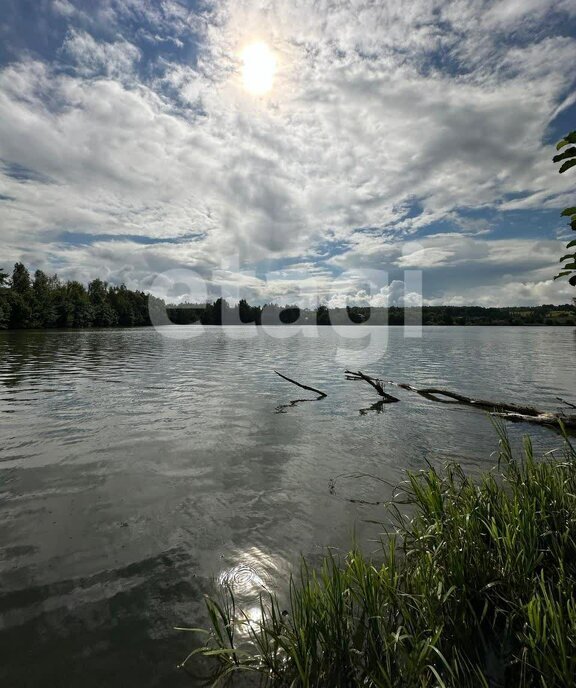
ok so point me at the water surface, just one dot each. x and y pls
(138, 472)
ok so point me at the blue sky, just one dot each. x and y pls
(398, 139)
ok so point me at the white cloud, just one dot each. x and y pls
(361, 124)
(91, 57)
(394, 294)
(64, 7)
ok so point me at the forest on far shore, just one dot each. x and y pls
(45, 301)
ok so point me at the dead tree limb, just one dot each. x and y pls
(543, 418)
(377, 384)
(436, 394)
(512, 412)
(516, 413)
(321, 395)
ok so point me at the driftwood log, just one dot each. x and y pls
(513, 412)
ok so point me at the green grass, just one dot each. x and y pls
(475, 588)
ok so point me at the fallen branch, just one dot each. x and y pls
(321, 395)
(512, 412)
(543, 418)
(568, 403)
(374, 382)
(436, 394)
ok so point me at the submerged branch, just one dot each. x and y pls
(298, 384)
(508, 411)
(374, 382)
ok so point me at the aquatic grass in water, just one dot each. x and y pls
(476, 588)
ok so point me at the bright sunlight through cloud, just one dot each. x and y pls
(259, 67)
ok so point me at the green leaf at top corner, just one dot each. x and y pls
(566, 155)
(567, 165)
(569, 138)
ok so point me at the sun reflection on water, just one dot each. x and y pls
(254, 575)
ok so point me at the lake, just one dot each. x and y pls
(139, 472)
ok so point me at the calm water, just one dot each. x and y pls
(138, 473)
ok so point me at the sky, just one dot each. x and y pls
(400, 143)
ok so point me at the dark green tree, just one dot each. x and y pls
(246, 311)
(103, 312)
(44, 313)
(20, 297)
(568, 160)
(5, 306)
(74, 307)
(21, 283)
(323, 315)
(123, 305)
(214, 313)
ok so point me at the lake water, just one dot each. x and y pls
(139, 472)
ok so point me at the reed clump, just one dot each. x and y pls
(475, 588)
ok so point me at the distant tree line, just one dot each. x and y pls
(45, 301)
(220, 312)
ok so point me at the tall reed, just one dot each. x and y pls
(476, 588)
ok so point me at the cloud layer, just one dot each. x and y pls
(397, 137)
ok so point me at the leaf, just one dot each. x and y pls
(571, 243)
(569, 138)
(562, 274)
(573, 224)
(569, 266)
(568, 256)
(570, 153)
(567, 165)
(191, 630)
(572, 281)
(569, 211)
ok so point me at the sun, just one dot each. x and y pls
(259, 67)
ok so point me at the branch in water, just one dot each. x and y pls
(377, 384)
(516, 413)
(512, 412)
(298, 384)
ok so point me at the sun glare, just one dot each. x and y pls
(259, 67)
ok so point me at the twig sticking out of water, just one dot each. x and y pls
(298, 384)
